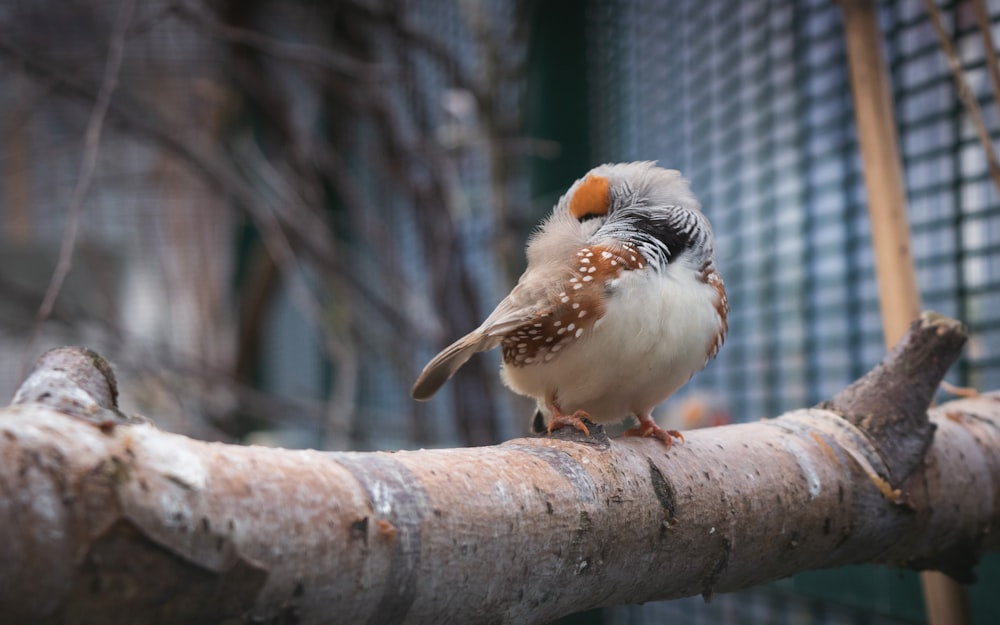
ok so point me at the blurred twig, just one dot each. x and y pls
(295, 52)
(92, 143)
(965, 93)
(989, 51)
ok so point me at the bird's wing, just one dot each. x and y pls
(523, 305)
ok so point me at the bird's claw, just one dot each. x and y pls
(575, 420)
(648, 429)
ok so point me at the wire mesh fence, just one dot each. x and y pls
(752, 101)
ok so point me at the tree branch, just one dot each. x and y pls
(122, 521)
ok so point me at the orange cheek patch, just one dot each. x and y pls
(591, 198)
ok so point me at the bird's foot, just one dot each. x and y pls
(647, 428)
(576, 420)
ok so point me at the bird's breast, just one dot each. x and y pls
(654, 330)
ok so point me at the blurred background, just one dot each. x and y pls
(269, 215)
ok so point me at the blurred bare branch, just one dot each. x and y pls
(322, 57)
(965, 93)
(92, 142)
(373, 155)
(989, 50)
(210, 166)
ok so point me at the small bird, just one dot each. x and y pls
(620, 304)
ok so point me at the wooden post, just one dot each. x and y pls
(898, 294)
(899, 297)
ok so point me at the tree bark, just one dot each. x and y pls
(104, 520)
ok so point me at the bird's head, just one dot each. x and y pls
(646, 206)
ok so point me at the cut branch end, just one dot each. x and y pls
(890, 402)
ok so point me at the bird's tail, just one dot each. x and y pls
(444, 365)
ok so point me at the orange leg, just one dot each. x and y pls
(647, 427)
(560, 420)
